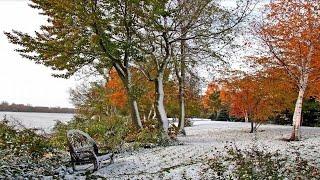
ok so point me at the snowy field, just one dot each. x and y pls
(203, 140)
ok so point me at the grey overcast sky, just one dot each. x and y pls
(23, 81)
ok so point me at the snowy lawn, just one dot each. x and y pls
(203, 140)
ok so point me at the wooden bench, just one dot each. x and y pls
(83, 150)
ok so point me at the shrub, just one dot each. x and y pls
(257, 164)
(149, 133)
(145, 137)
(108, 132)
(22, 141)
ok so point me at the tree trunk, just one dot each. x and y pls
(159, 106)
(182, 111)
(150, 112)
(217, 115)
(181, 100)
(296, 121)
(181, 77)
(246, 118)
(154, 113)
(134, 109)
(135, 115)
(252, 127)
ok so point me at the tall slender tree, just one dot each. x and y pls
(291, 33)
(181, 29)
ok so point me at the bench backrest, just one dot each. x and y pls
(79, 141)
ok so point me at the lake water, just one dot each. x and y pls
(43, 121)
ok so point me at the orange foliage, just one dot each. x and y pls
(143, 90)
(257, 97)
(116, 91)
(212, 88)
(292, 33)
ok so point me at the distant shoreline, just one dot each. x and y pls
(40, 112)
(6, 107)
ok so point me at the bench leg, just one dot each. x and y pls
(111, 159)
(96, 165)
(97, 162)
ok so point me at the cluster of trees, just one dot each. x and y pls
(110, 98)
(150, 51)
(287, 70)
(258, 100)
(159, 39)
(4, 106)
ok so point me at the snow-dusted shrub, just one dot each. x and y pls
(108, 131)
(25, 154)
(258, 164)
(22, 141)
(149, 136)
(25, 167)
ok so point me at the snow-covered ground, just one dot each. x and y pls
(203, 140)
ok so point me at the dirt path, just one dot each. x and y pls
(203, 140)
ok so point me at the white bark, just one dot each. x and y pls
(296, 121)
(135, 114)
(182, 113)
(150, 112)
(246, 118)
(159, 104)
(154, 113)
(303, 83)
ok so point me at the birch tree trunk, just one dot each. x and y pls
(159, 106)
(135, 115)
(182, 108)
(150, 112)
(296, 121)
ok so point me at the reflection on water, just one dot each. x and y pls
(43, 121)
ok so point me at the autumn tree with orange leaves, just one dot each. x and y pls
(143, 91)
(246, 99)
(115, 91)
(291, 33)
(256, 97)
